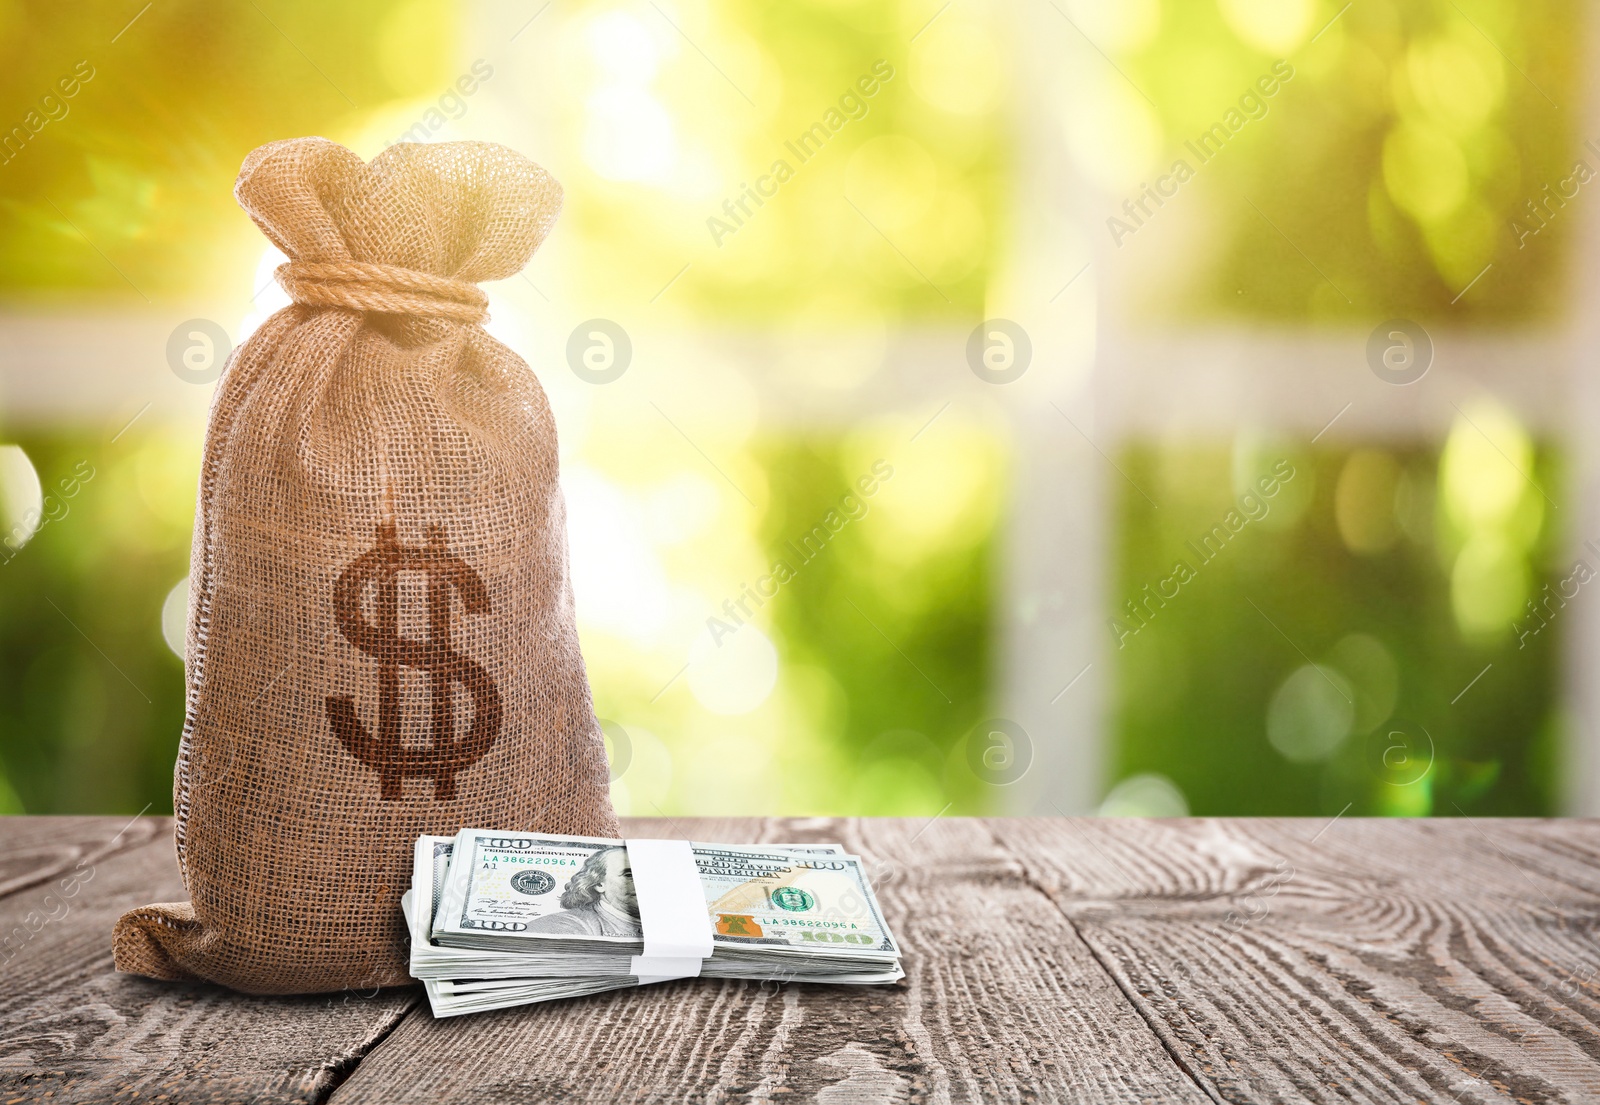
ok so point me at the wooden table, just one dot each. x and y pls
(1047, 960)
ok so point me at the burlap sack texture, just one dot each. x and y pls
(381, 637)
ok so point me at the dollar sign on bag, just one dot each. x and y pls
(382, 750)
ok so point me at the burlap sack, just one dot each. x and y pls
(381, 636)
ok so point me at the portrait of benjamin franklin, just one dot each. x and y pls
(598, 901)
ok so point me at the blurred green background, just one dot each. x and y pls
(1383, 578)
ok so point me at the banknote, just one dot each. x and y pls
(761, 901)
(449, 998)
(505, 890)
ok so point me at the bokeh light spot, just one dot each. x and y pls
(1271, 26)
(175, 617)
(21, 498)
(1488, 585)
(1424, 171)
(1311, 714)
(735, 673)
(1147, 795)
(1373, 674)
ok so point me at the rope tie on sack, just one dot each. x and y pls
(386, 288)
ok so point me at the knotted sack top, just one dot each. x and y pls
(411, 233)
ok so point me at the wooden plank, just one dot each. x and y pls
(39, 849)
(1367, 960)
(73, 1029)
(1002, 1002)
(1118, 858)
(1277, 960)
(55, 857)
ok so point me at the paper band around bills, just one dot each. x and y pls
(672, 910)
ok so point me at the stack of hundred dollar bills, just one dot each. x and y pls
(503, 918)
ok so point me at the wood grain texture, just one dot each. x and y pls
(1002, 1002)
(1358, 960)
(1048, 960)
(73, 1029)
(39, 849)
